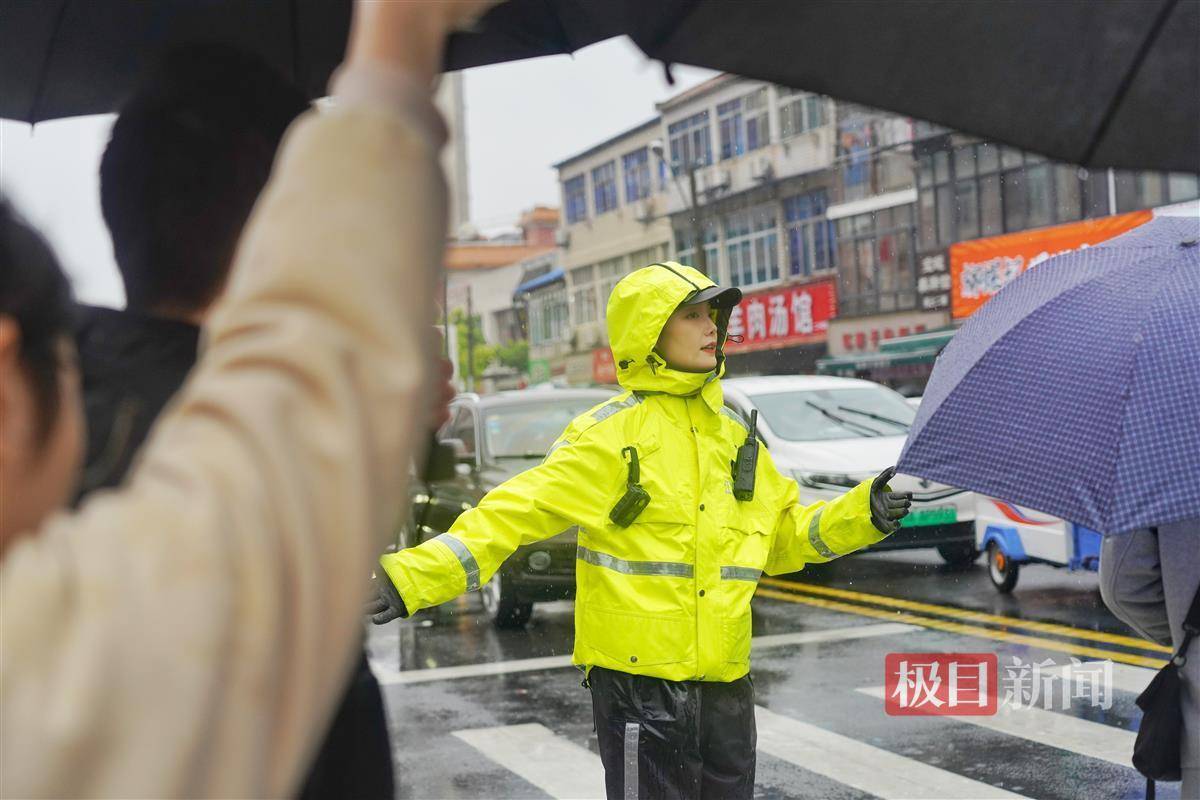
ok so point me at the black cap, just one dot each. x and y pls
(716, 296)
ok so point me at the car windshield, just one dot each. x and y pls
(821, 414)
(526, 430)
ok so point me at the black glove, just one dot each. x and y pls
(387, 605)
(888, 507)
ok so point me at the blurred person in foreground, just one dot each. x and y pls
(189, 153)
(190, 633)
(1149, 579)
(677, 522)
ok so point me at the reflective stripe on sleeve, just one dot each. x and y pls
(606, 411)
(814, 536)
(469, 565)
(740, 574)
(665, 568)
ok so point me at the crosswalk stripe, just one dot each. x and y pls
(832, 635)
(1124, 677)
(560, 768)
(390, 676)
(1087, 738)
(869, 769)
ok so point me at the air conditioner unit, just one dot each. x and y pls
(562, 238)
(716, 181)
(763, 171)
(644, 211)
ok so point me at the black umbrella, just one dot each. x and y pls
(1092, 82)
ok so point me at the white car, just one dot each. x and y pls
(832, 433)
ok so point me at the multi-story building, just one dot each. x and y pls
(482, 275)
(751, 165)
(543, 315)
(614, 221)
(451, 101)
(876, 230)
(984, 213)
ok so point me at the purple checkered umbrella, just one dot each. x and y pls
(1076, 390)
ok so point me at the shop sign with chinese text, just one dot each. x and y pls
(783, 317)
(982, 267)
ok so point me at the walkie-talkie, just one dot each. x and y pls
(747, 463)
(635, 498)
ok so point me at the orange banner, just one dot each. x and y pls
(981, 267)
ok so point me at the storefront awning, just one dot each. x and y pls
(538, 282)
(918, 341)
(852, 365)
(919, 348)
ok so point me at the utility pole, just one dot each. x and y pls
(470, 339)
(701, 257)
(690, 204)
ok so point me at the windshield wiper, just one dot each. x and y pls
(518, 456)
(872, 415)
(849, 424)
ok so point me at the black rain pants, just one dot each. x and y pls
(674, 740)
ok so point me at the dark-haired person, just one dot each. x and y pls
(188, 156)
(189, 633)
(41, 420)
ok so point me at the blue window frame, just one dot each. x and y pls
(636, 167)
(810, 237)
(604, 187)
(575, 198)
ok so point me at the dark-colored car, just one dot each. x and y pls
(496, 437)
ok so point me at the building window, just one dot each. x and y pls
(876, 262)
(575, 198)
(800, 112)
(691, 143)
(758, 126)
(752, 247)
(636, 167)
(729, 129)
(1181, 186)
(983, 189)
(604, 187)
(742, 124)
(548, 316)
(610, 273)
(810, 237)
(583, 295)
(685, 248)
(651, 255)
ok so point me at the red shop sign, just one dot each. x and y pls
(783, 317)
(604, 371)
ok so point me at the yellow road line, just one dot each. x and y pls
(971, 616)
(967, 630)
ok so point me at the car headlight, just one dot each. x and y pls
(824, 480)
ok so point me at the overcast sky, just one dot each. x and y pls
(521, 118)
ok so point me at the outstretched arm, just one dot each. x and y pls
(530, 507)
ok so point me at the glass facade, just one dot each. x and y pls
(876, 262)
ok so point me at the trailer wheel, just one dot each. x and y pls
(1001, 569)
(959, 555)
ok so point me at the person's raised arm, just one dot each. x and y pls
(187, 634)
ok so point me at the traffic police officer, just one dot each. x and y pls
(679, 513)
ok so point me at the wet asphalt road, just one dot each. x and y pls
(482, 713)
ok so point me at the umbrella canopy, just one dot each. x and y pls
(1076, 390)
(1090, 82)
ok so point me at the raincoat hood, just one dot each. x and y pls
(638, 309)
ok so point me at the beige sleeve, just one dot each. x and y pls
(187, 635)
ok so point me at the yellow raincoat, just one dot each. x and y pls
(668, 596)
